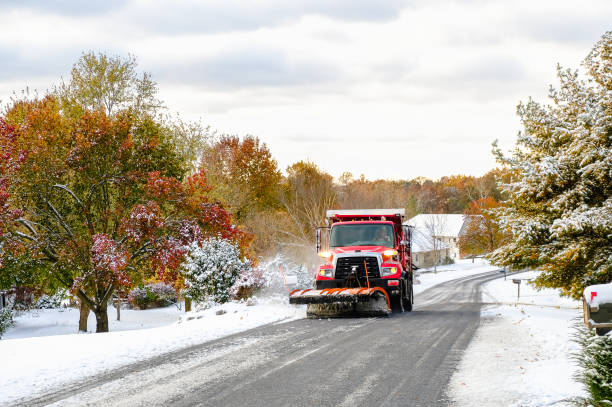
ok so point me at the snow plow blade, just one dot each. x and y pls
(342, 302)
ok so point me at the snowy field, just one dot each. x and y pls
(37, 364)
(64, 321)
(520, 355)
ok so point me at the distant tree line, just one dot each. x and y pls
(281, 211)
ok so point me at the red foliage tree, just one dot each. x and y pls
(101, 200)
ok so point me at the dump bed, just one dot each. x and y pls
(346, 215)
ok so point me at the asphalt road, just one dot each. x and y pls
(403, 360)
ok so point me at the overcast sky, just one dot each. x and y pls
(389, 89)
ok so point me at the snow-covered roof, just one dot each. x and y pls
(444, 224)
(421, 242)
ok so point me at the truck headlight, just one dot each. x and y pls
(326, 272)
(388, 271)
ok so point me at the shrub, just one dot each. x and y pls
(447, 260)
(595, 359)
(23, 298)
(52, 301)
(210, 270)
(6, 320)
(152, 296)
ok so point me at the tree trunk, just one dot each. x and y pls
(187, 304)
(101, 318)
(118, 306)
(83, 314)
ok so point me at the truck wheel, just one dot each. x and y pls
(397, 305)
(602, 331)
(408, 301)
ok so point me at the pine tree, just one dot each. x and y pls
(560, 206)
(594, 357)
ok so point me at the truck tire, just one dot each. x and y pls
(602, 331)
(408, 301)
(397, 304)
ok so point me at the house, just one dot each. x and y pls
(446, 228)
(423, 253)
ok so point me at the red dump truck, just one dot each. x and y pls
(367, 267)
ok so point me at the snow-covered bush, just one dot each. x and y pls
(248, 282)
(595, 359)
(52, 301)
(6, 320)
(210, 270)
(152, 296)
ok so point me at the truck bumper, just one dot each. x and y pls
(374, 282)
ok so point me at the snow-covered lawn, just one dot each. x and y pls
(520, 355)
(64, 321)
(427, 278)
(34, 364)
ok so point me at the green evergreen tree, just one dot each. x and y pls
(560, 206)
(594, 357)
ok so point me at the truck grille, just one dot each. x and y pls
(345, 265)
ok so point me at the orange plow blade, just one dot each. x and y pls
(341, 302)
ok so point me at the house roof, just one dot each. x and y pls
(444, 224)
(421, 242)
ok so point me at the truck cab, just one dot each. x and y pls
(367, 248)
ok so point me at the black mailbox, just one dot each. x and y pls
(597, 307)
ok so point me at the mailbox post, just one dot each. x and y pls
(517, 281)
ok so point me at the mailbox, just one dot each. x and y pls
(597, 307)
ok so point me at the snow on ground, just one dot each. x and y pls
(38, 364)
(64, 321)
(520, 355)
(505, 292)
(427, 278)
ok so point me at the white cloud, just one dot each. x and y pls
(411, 88)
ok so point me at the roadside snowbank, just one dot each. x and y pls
(39, 364)
(427, 278)
(520, 355)
(505, 292)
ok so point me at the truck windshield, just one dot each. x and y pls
(362, 235)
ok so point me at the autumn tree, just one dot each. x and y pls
(108, 82)
(559, 206)
(481, 232)
(243, 173)
(363, 193)
(308, 193)
(112, 83)
(100, 199)
(246, 178)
